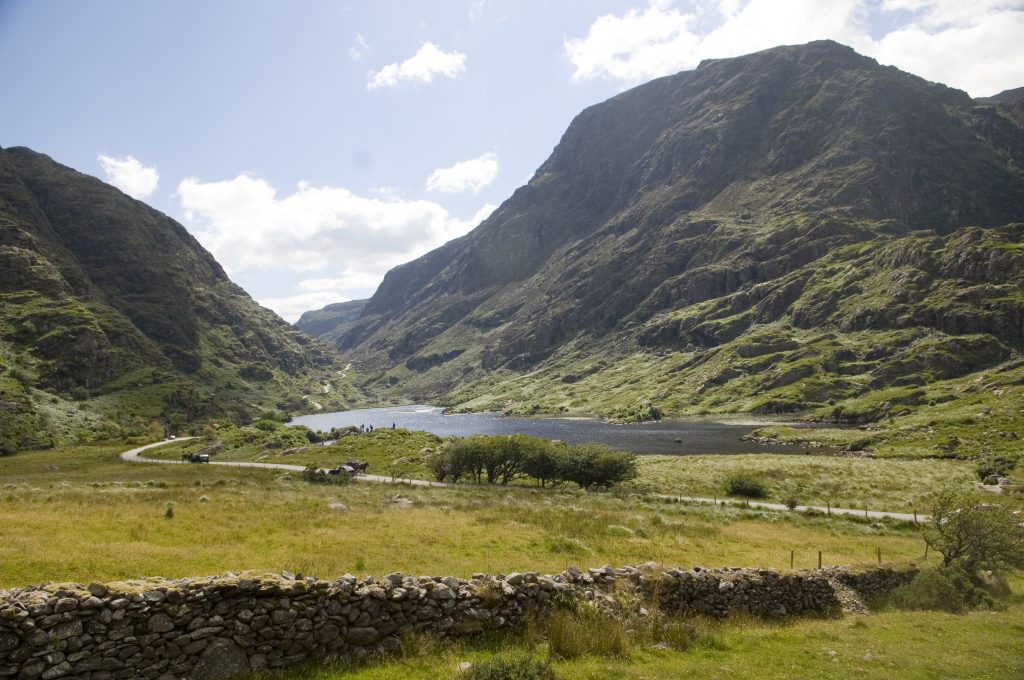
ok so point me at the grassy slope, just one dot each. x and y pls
(109, 304)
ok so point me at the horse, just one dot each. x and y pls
(357, 466)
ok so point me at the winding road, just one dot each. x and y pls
(133, 456)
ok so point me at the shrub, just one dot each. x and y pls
(745, 485)
(791, 503)
(999, 465)
(511, 667)
(586, 630)
(946, 589)
(314, 475)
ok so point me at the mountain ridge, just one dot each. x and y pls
(693, 212)
(116, 308)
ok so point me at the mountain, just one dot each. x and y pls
(332, 321)
(799, 229)
(114, 316)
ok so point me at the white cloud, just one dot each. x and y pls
(932, 41)
(359, 49)
(291, 308)
(475, 174)
(348, 242)
(130, 176)
(429, 61)
(476, 10)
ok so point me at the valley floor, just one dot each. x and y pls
(82, 514)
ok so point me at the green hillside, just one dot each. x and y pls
(114, 320)
(796, 230)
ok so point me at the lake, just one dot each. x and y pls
(697, 435)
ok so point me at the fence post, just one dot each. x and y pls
(915, 515)
(879, 550)
(819, 560)
(828, 505)
(790, 559)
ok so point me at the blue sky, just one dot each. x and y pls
(312, 145)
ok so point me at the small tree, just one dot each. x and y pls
(975, 535)
(590, 465)
(542, 462)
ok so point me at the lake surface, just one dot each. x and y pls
(697, 435)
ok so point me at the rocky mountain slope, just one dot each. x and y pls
(112, 316)
(331, 322)
(799, 229)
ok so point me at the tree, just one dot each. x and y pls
(975, 535)
(543, 461)
(596, 465)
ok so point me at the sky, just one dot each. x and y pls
(312, 145)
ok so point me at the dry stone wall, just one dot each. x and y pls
(222, 626)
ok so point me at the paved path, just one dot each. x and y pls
(134, 457)
(764, 505)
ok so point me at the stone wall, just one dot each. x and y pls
(222, 626)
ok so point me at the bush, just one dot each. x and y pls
(996, 466)
(945, 589)
(511, 667)
(791, 503)
(314, 475)
(745, 485)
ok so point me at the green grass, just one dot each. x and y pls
(877, 484)
(918, 645)
(82, 514)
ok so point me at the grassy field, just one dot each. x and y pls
(878, 484)
(81, 514)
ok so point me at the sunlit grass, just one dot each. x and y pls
(95, 517)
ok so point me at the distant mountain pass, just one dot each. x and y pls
(332, 321)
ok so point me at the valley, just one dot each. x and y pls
(751, 338)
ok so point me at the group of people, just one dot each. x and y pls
(369, 428)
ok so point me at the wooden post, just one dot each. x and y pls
(879, 550)
(865, 512)
(819, 560)
(790, 559)
(915, 515)
(926, 551)
(828, 505)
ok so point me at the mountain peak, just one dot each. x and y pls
(671, 199)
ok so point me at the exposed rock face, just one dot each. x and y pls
(222, 627)
(802, 185)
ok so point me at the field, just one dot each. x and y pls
(878, 484)
(80, 514)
